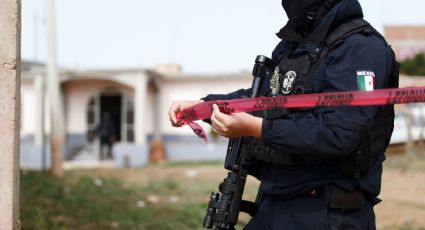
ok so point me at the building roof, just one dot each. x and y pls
(183, 77)
(405, 32)
(28, 65)
(32, 69)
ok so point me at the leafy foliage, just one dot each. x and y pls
(414, 66)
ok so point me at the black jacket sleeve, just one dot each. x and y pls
(334, 132)
(241, 93)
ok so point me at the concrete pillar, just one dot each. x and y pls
(39, 110)
(39, 117)
(157, 111)
(57, 132)
(10, 60)
(140, 102)
(409, 128)
(157, 147)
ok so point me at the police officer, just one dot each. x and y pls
(319, 168)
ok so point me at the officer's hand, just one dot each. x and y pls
(177, 106)
(236, 124)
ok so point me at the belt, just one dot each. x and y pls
(333, 196)
(267, 154)
(338, 198)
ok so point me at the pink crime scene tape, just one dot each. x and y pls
(348, 98)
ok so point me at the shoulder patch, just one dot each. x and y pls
(365, 80)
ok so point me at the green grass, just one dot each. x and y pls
(78, 203)
(190, 163)
(409, 162)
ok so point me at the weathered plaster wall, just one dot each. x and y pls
(77, 95)
(10, 35)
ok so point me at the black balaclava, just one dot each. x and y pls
(301, 13)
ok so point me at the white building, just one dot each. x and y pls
(138, 100)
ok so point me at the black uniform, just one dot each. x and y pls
(321, 168)
(106, 131)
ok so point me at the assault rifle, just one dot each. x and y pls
(224, 207)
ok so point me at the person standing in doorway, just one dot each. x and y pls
(106, 132)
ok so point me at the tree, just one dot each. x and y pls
(414, 66)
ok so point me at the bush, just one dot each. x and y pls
(414, 66)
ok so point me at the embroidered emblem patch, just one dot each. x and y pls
(274, 82)
(288, 82)
(365, 80)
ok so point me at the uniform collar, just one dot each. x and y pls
(287, 33)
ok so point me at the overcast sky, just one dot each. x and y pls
(204, 36)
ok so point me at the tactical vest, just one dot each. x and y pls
(296, 70)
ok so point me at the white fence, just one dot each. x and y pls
(409, 123)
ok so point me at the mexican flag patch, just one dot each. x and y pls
(365, 80)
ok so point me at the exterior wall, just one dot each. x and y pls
(181, 143)
(28, 106)
(406, 41)
(150, 110)
(77, 95)
(10, 62)
(139, 81)
(194, 89)
(32, 154)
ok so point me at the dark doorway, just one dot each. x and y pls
(112, 104)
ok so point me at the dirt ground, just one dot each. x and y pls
(403, 195)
